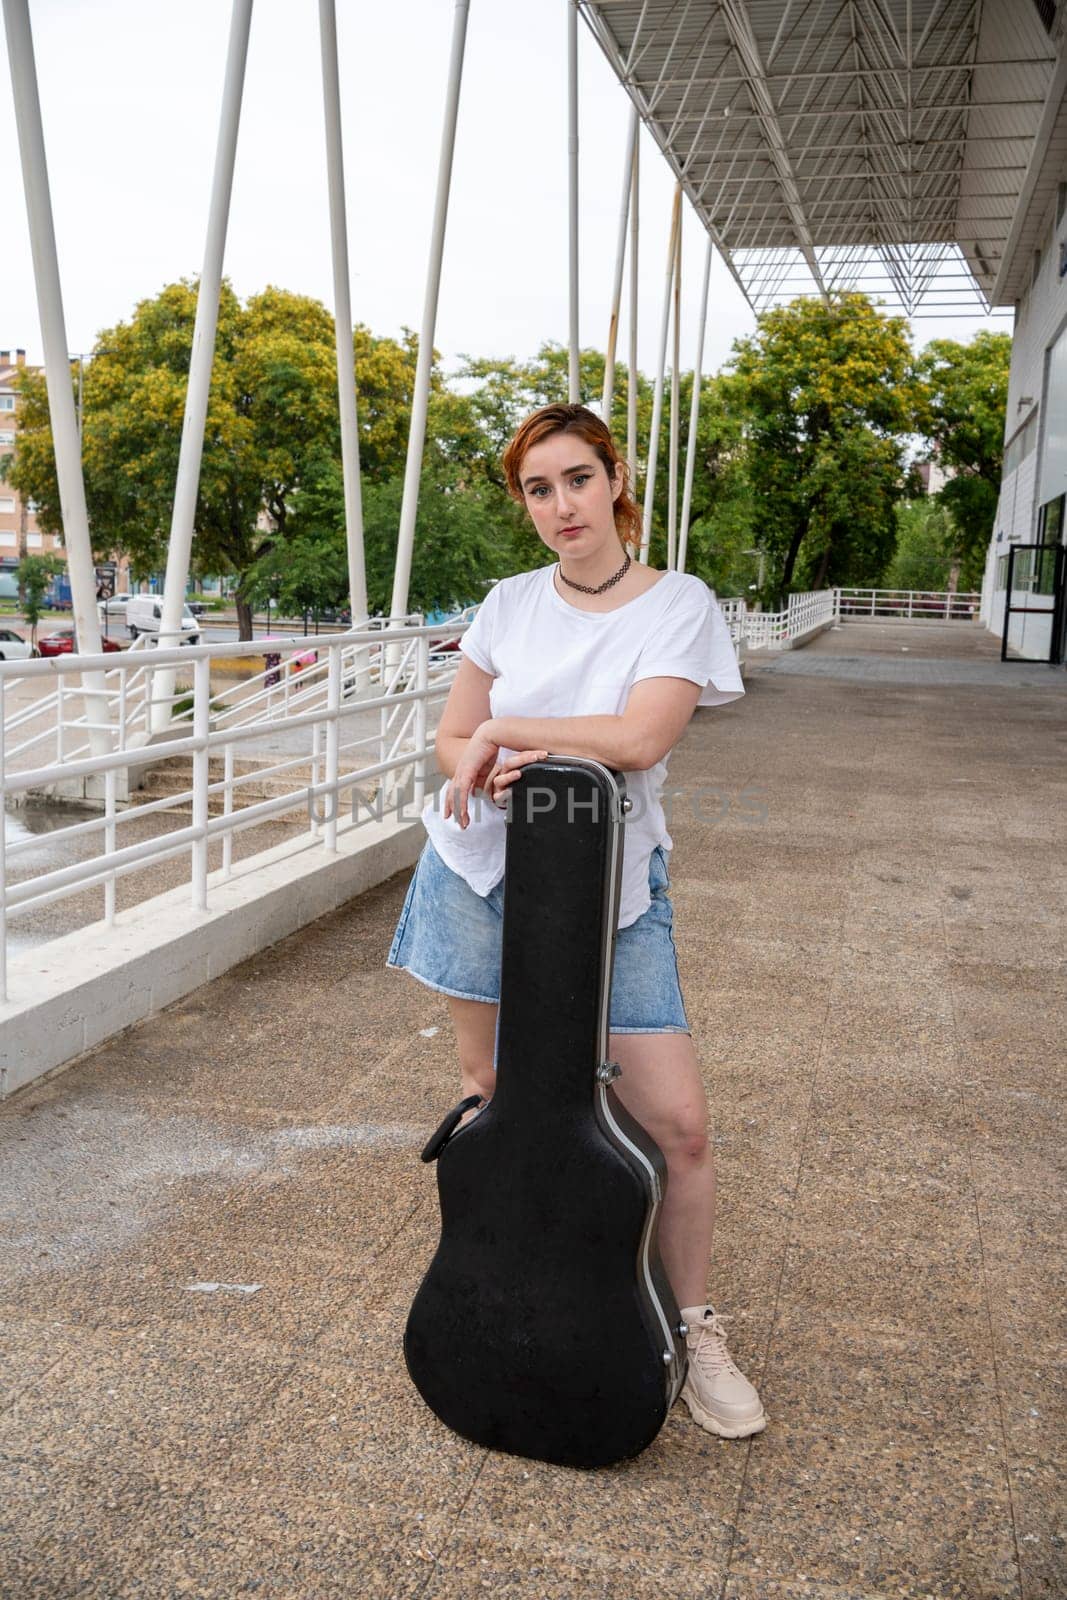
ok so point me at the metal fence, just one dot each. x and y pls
(347, 718)
(909, 605)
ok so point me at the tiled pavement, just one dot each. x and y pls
(869, 880)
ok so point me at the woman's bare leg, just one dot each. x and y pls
(475, 1025)
(661, 1086)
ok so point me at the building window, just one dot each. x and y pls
(1050, 522)
(7, 402)
(7, 502)
(33, 541)
(8, 538)
(1020, 445)
(6, 436)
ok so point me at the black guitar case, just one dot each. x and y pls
(546, 1325)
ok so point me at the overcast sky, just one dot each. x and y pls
(130, 94)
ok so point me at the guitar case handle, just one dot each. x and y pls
(448, 1127)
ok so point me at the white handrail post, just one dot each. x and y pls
(342, 311)
(201, 770)
(421, 397)
(631, 388)
(694, 414)
(60, 714)
(109, 844)
(657, 397)
(333, 738)
(620, 263)
(186, 486)
(574, 378)
(65, 437)
(675, 431)
(227, 806)
(422, 683)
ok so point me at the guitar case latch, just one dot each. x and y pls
(608, 1071)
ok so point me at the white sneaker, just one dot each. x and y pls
(719, 1397)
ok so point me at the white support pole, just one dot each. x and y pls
(620, 262)
(201, 778)
(631, 387)
(574, 381)
(675, 433)
(187, 484)
(421, 397)
(342, 310)
(657, 396)
(65, 438)
(694, 413)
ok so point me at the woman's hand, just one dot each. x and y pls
(473, 771)
(505, 773)
(479, 767)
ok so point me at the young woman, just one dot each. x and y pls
(597, 656)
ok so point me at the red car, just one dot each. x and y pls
(62, 644)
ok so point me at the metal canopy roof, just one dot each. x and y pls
(885, 145)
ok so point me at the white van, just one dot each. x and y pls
(144, 614)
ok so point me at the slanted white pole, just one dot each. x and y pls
(657, 394)
(694, 414)
(631, 390)
(56, 362)
(620, 262)
(675, 433)
(574, 381)
(342, 311)
(187, 483)
(421, 397)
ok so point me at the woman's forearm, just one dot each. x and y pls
(449, 749)
(613, 740)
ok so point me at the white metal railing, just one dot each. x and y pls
(354, 723)
(55, 726)
(908, 605)
(773, 630)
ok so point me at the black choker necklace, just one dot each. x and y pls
(587, 588)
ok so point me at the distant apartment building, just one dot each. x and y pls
(19, 534)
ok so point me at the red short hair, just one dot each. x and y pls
(570, 418)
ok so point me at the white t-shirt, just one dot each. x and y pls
(549, 659)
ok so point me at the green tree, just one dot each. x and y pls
(34, 574)
(926, 535)
(826, 395)
(272, 417)
(965, 395)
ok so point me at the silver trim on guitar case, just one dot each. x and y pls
(676, 1368)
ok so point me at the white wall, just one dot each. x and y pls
(1041, 316)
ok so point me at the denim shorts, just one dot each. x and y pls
(646, 996)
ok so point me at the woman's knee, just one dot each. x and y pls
(686, 1140)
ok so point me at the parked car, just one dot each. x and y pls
(61, 643)
(115, 606)
(13, 647)
(196, 608)
(144, 614)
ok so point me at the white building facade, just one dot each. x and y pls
(1027, 546)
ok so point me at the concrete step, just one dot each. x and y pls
(175, 777)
